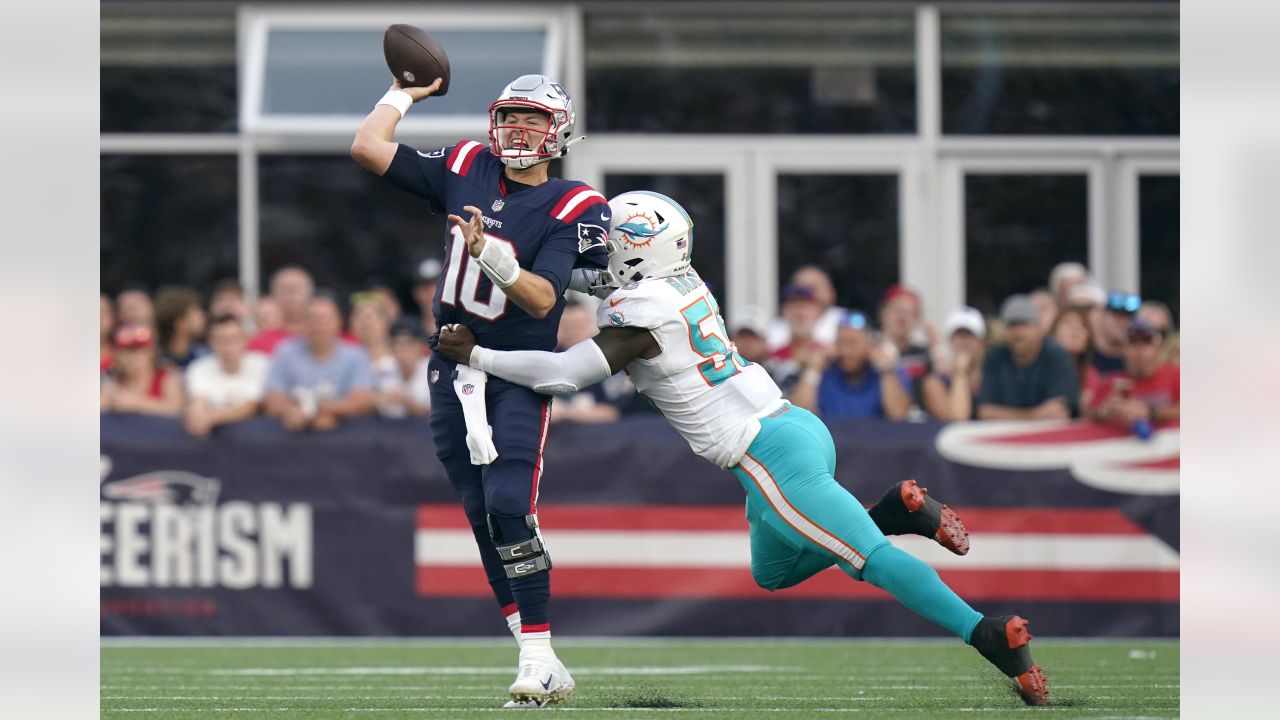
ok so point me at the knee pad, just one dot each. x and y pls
(519, 545)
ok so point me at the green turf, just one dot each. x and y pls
(630, 679)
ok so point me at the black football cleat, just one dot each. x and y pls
(907, 509)
(1005, 642)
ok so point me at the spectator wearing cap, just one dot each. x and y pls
(138, 383)
(180, 321)
(291, 289)
(589, 404)
(829, 314)
(106, 322)
(953, 395)
(1063, 277)
(1074, 334)
(1146, 389)
(315, 381)
(801, 311)
(227, 386)
(748, 333)
(1029, 377)
(900, 322)
(407, 390)
(134, 307)
(1110, 333)
(424, 292)
(862, 382)
(1046, 305)
(227, 298)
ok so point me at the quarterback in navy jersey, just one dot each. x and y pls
(515, 235)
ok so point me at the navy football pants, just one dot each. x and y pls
(507, 489)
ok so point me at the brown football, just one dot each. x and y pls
(415, 58)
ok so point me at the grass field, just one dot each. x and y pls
(633, 679)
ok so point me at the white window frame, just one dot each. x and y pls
(255, 23)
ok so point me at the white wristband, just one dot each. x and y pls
(499, 263)
(398, 99)
(478, 358)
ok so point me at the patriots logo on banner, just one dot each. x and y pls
(590, 236)
(174, 487)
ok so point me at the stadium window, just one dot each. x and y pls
(168, 219)
(702, 196)
(845, 224)
(319, 70)
(1026, 69)
(1158, 233)
(1017, 227)
(343, 223)
(153, 54)
(750, 68)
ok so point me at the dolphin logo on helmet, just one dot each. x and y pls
(651, 236)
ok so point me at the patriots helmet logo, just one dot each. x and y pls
(639, 229)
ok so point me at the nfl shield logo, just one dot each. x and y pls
(435, 376)
(468, 389)
(497, 205)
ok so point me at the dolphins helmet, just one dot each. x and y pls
(532, 92)
(650, 236)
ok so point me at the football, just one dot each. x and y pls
(415, 58)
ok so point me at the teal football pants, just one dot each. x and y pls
(802, 521)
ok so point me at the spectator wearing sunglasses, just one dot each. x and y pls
(1146, 389)
(1029, 377)
(1108, 341)
(1159, 315)
(862, 382)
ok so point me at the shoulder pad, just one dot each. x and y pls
(576, 200)
(463, 155)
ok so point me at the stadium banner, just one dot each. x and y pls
(256, 531)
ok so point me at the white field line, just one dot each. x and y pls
(642, 670)
(504, 641)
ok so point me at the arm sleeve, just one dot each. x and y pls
(419, 173)
(560, 373)
(577, 243)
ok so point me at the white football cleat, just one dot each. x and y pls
(543, 680)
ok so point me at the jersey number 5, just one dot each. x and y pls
(496, 306)
(708, 338)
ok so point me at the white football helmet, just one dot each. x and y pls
(533, 92)
(650, 236)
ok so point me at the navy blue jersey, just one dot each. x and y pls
(553, 228)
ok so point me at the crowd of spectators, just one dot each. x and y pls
(1069, 349)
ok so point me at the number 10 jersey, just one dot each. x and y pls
(551, 228)
(709, 393)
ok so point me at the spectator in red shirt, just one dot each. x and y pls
(133, 307)
(106, 322)
(1159, 314)
(138, 384)
(292, 289)
(267, 315)
(1148, 387)
(1108, 339)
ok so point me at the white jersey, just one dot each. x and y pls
(713, 397)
